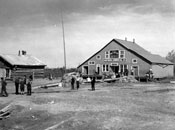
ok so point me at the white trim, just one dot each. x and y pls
(107, 55)
(133, 61)
(123, 54)
(82, 69)
(114, 50)
(99, 57)
(114, 64)
(104, 68)
(91, 62)
(98, 65)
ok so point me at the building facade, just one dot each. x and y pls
(12, 66)
(119, 56)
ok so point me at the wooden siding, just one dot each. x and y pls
(37, 73)
(143, 65)
(161, 71)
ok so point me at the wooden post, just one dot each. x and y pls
(33, 75)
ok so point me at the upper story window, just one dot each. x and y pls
(91, 62)
(122, 54)
(114, 54)
(106, 54)
(98, 57)
(134, 61)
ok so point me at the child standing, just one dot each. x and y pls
(29, 87)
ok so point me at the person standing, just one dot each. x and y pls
(78, 82)
(93, 83)
(72, 82)
(29, 87)
(132, 72)
(17, 85)
(31, 77)
(3, 87)
(22, 86)
(25, 82)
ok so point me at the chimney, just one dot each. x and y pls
(133, 40)
(125, 38)
(19, 53)
(24, 52)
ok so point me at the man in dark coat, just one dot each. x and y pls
(72, 82)
(22, 86)
(17, 85)
(78, 82)
(3, 87)
(93, 83)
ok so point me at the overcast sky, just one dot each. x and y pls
(35, 26)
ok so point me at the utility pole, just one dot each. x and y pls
(64, 46)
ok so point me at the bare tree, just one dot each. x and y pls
(171, 56)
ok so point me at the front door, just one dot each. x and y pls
(115, 69)
(136, 70)
(98, 68)
(85, 70)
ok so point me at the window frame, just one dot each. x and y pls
(107, 56)
(91, 62)
(105, 68)
(113, 54)
(122, 54)
(134, 61)
(99, 57)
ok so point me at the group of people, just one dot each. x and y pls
(149, 75)
(20, 84)
(76, 79)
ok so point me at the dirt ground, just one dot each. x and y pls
(113, 106)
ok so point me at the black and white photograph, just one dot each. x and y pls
(87, 64)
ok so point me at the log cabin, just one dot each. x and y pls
(19, 65)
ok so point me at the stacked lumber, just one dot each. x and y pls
(124, 79)
(128, 79)
(5, 112)
(110, 80)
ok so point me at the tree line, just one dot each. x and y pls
(171, 57)
(57, 72)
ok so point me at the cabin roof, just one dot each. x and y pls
(25, 60)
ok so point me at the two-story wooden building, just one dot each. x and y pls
(120, 55)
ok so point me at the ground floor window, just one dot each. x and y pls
(105, 68)
(124, 69)
(98, 68)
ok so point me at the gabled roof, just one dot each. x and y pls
(139, 51)
(24, 60)
(152, 58)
